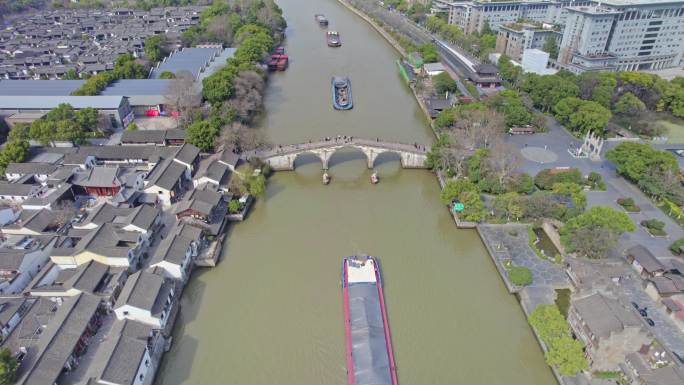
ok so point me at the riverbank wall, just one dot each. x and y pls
(441, 179)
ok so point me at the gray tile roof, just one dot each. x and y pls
(166, 174)
(144, 136)
(217, 171)
(16, 189)
(124, 361)
(36, 220)
(30, 168)
(604, 315)
(142, 216)
(645, 258)
(146, 291)
(108, 240)
(44, 362)
(187, 153)
(11, 260)
(135, 87)
(229, 157)
(50, 102)
(9, 307)
(39, 88)
(151, 136)
(201, 201)
(98, 177)
(192, 60)
(172, 249)
(122, 352)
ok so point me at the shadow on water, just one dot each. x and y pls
(181, 367)
(305, 159)
(387, 157)
(345, 155)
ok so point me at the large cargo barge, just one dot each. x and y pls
(370, 358)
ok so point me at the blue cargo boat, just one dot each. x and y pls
(341, 93)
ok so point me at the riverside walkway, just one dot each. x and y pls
(283, 157)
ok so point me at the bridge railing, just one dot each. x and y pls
(336, 142)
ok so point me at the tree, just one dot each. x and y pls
(453, 189)
(524, 184)
(71, 75)
(13, 152)
(69, 131)
(634, 160)
(182, 96)
(511, 105)
(593, 233)
(443, 83)
(445, 118)
(551, 46)
(502, 161)
(547, 178)
(63, 111)
(240, 137)
(167, 75)
(465, 192)
(233, 206)
(429, 53)
(155, 47)
(546, 91)
(564, 109)
(567, 355)
(247, 100)
(43, 131)
(250, 181)
(202, 134)
(126, 67)
(132, 127)
(520, 275)
(20, 131)
(663, 184)
(629, 104)
(479, 128)
(87, 118)
(508, 71)
(582, 116)
(563, 351)
(218, 86)
(509, 204)
(8, 367)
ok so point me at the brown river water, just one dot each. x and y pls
(271, 312)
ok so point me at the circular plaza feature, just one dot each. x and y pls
(539, 154)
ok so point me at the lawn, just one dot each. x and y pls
(649, 124)
(674, 131)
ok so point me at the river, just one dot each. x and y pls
(271, 312)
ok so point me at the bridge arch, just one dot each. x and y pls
(345, 153)
(297, 158)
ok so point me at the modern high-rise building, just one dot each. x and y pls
(606, 35)
(624, 35)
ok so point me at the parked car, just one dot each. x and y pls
(650, 322)
(636, 305)
(643, 312)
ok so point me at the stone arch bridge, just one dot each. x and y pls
(282, 158)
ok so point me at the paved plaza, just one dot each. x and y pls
(510, 242)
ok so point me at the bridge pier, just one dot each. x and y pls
(371, 155)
